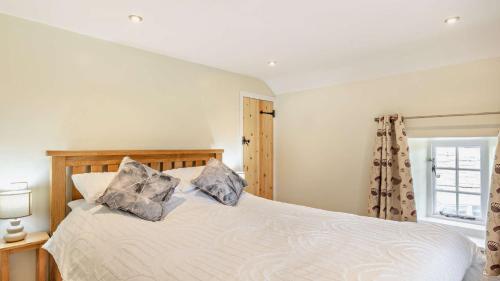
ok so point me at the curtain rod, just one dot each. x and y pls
(444, 115)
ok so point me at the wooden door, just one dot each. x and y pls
(258, 146)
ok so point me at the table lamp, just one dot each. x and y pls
(15, 204)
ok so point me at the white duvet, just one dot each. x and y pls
(258, 239)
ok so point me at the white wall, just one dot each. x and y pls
(325, 136)
(61, 90)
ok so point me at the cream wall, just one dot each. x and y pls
(61, 90)
(325, 136)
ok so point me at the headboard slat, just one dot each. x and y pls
(155, 165)
(79, 169)
(96, 168)
(113, 168)
(75, 194)
(166, 165)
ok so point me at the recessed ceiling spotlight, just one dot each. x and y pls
(272, 63)
(135, 18)
(452, 20)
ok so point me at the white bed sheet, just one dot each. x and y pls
(259, 239)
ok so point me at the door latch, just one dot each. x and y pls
(245, 141)
(272, 113)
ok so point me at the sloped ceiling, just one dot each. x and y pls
(315, 43)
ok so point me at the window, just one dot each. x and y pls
(458, 179)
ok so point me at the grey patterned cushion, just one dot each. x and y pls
(140, 190)
(220, 182)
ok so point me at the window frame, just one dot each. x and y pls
(431, 179)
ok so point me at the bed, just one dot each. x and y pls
(259, 239)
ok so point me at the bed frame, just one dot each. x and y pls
(66, 163)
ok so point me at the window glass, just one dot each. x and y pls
(469, 181)
(469, 158)
(446, 202)
(445, 179)
(469, 205)
(445, 157)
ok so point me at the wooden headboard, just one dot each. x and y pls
(66, 163)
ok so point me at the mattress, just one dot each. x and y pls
(258, 239)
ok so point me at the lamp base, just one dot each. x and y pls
(15, 232)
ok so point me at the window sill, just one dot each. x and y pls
(478, 241)
(475, 232)
(472, 226)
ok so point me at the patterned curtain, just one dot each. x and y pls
(492, 267)
(391, 185)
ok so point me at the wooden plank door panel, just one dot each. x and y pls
(266, 150)
(251, 150)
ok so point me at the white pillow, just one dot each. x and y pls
(76, 204)
(92, 185)
(185, 175)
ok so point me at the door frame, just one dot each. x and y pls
(244, 94)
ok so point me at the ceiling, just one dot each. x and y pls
(315, 43)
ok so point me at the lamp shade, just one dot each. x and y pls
(15, 204)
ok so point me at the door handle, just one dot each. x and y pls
(245, 141)
(433, 168)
